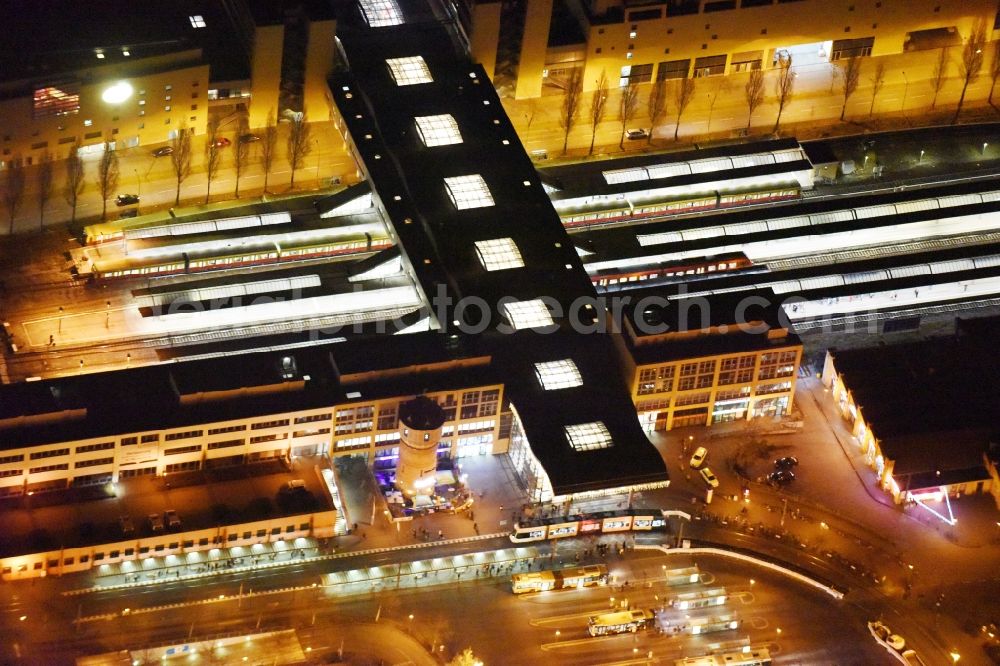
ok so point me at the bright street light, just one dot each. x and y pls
(117, 93)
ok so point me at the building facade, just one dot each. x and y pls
(674, 39)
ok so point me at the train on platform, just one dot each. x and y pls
(183, 263)
(604, 522)
(616, 277)
(715, 200)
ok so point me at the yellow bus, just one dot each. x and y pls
(620, 622)
(541, 581)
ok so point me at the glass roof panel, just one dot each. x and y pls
(527, 314)
(588, 436)
(409, 71)
(380, 13)
(438, 130)
(468, 192)
(498, 254)
(554, 375)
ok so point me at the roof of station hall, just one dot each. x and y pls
(440, 241)
(444, 243)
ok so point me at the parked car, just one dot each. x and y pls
(173, 520)
(636, 134)
(126, 199)
(222, 142)
(163, 151)
(156, 522)
(249, 138)
(710, 479)
(787, 462)
(699, 457)
(295, 485)
(128, 527)
(131, 212)
(781, 477)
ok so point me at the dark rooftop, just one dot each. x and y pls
(437, 242)
(932, 404)
(45, 39)
(664, 330)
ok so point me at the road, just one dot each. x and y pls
(718, 108)
(153, 179)
(794, 621)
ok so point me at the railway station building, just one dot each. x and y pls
(923, 413)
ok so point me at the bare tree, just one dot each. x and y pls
(628, 106)
(107, 176)
(213, 154)
(180, 159)
(848, 72)
(13, 190)
(656, 106)
(784, 86)
(571, 104)
(972, 61)
(994, 69)
(878, 80)
(939, 74)
(268, 145)
(241, 156)
(754, 90)
(598, 100)
(75, 181)
(299, 143)
(465, 658)
(683, 94)
(44, 192)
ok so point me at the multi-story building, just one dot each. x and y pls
(671, 39)
(694, 362)
(134, 78)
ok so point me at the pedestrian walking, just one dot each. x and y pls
(440, 534)
(475, 526)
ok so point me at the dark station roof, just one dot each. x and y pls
(932, 404)
(237, 386)
(663, 330)
(438, 239)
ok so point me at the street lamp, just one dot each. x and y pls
(985, 144)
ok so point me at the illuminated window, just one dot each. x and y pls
(499, 253)
(554, 375)
(438, 130)
(409, 71)
(468, 192)
(379, 13)
(56, 101)
(197, 21)
(527, 314)
(588, 436)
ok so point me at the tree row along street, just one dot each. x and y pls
(938, 86)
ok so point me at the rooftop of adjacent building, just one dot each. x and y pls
(82, 516)
(662, 330)
(61, 37)
(237, 386)
(932, 403)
